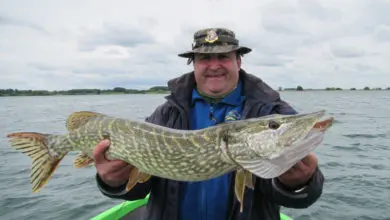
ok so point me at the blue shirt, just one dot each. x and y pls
(208, 199)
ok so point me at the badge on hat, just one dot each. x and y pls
(211, 36)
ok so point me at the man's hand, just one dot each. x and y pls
(300, 173)
(113, 172)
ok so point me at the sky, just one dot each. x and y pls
(61, 45)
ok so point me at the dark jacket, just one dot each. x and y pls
(262, 203)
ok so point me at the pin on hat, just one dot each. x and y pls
(211, 37)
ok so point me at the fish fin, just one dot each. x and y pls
(274, 167)
(249, 180)
(136, 177)
(78, 119)
(82, 160)
(243, 178)
(44, 163)
(144, 177)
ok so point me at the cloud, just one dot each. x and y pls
(347, 52)
(102, 44)
(6, 21)
(112, 34)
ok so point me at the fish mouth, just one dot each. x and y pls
(319, 128)
(305, 126)
(322, 125)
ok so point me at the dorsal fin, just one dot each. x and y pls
(78, 119)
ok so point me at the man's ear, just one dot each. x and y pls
(239, 61)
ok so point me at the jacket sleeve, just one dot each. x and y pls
(302, 197)
(140, 190)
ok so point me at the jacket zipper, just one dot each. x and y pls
(203, 206)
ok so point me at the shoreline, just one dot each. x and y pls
(21, 93)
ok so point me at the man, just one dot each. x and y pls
(217, 90)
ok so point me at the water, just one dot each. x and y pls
(355, 155)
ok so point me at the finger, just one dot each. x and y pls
(288, 173)
(298, 166)
(98, 151)
(119, 175)
(310, 160)
(116, 165)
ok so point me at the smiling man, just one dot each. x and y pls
(218, 90)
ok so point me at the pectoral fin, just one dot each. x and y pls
(243, 178)
(136, 177)
(82, 160)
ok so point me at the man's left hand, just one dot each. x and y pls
(300, 173)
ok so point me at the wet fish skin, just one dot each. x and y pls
(265, 147)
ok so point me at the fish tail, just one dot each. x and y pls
(44, 163)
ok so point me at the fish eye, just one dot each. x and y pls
(273, 125)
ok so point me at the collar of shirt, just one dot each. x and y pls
(234, 98)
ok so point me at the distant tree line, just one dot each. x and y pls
(122, 90)
(116, 90)
(300, 88)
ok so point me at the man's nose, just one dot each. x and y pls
(214, 63)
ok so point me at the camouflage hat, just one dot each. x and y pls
(215, 40)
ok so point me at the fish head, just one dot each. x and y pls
(270, 136)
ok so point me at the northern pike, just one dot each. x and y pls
(266, 147)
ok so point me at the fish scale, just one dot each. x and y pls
(264, 147)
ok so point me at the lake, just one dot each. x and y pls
(355, 155)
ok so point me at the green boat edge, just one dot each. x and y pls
(122, 209)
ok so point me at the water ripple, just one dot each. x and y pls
(365, 135)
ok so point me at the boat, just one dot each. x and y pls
(128, 209)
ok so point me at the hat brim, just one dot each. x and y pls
(216, 49)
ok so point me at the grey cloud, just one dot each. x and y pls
(12, 83)
(370, 15)
(282, 23)
(267, 60)
(287, 19)
(136, 83)
(7, 21)
(363, 67)
(376, 12)
(314, 9)
(101, 70)
(382, 33)
(42, 66)
(113, 51)
(273, 44)
(114, 34)
(154, 54)
(347, 52)
(270, 63)
(97, 67)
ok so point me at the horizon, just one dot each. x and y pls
(166, 87)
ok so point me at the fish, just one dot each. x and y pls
(265, 146)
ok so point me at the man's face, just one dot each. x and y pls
(216, 74)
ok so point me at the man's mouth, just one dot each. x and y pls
(216, 75)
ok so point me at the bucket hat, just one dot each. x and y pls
(215, 40)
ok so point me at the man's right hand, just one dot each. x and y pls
(112, 172)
